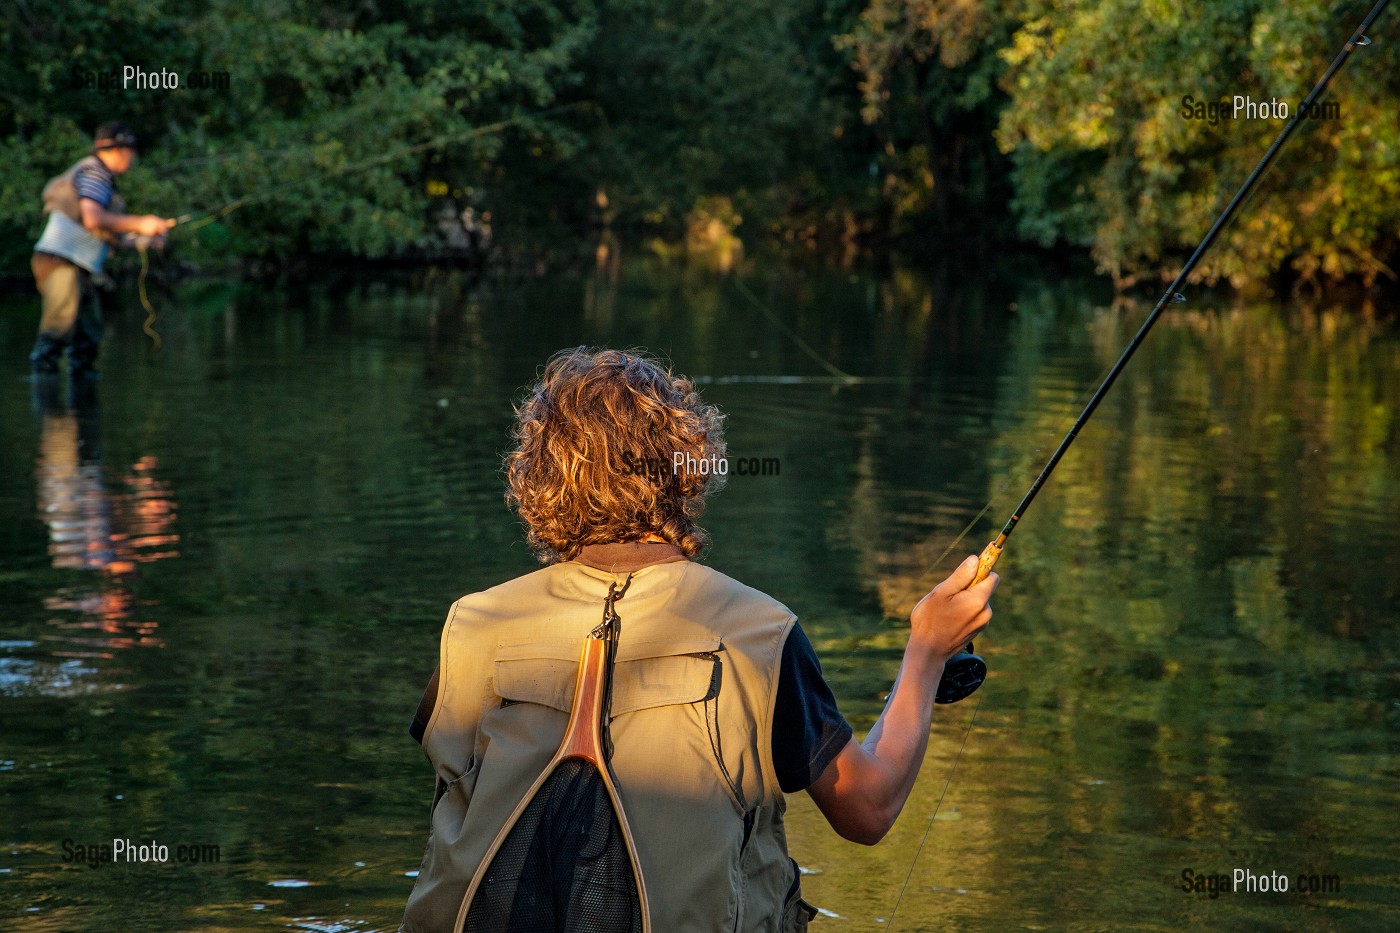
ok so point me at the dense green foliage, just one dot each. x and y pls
(1054, 122)
(314, 94)
(1104, 156)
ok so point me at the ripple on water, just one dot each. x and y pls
(28, 677)
(319, 925)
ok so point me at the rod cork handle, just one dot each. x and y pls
(986, 562)
(965, 671)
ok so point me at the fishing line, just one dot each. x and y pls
(929, 828)
(146, 301)
(908, 591)
(193, 220)
(904, 595)
(835, 375)
(976, 708)
(197, 221)
(284, 153)
(782, 380)
(802, 345)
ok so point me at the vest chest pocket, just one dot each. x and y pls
(648, 675)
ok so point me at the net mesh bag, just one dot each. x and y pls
(564, 867)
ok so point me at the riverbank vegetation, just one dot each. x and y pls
(421, 128)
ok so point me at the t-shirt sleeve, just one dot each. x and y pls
(808, 730)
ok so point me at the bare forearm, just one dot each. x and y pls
(116, 223)
(900, 736)
(864, 787)
(100, 220)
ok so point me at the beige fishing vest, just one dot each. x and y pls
(693, 694)
(64, 234)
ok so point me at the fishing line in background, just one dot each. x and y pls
(916, 585)
(194, 220)
(149, 325)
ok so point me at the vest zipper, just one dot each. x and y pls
(717, 748)
(750, 818)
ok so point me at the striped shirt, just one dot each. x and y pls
(95, 181)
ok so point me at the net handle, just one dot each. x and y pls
(583, 739)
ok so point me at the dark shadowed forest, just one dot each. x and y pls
(407, 129)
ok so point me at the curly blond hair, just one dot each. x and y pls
(596, 438)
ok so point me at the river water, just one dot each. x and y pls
(223, 578)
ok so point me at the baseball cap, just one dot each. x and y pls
(114, 135)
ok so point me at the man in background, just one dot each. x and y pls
(85, 217)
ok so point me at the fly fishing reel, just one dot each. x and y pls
(962, 675)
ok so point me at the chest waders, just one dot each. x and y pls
(565, 860)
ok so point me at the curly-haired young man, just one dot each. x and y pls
(720, 707)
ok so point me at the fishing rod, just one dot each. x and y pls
(965, 672)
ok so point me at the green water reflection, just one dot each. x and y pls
(223, 583)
